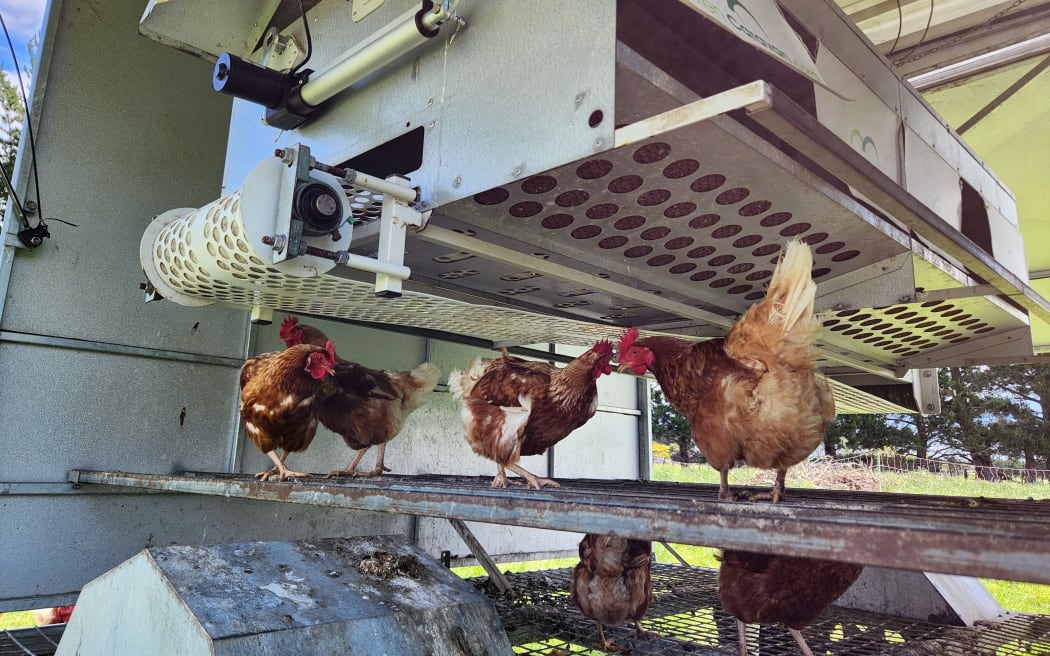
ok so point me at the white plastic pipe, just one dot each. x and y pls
(362, 263)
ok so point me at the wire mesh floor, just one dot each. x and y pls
(35, 641)
(541, 620)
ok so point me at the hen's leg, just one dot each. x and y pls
(379, 468)
(741, 630)
(778, 489)
(639, 632)
(281, 469)
(605, 644)
(724, 493)
(534, 481)
(265, 475)
(774, 495)
(801, 641)
(352, 469)
(501, 477)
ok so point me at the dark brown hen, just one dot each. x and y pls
(369, 406)
(768, 589)
(613, 583)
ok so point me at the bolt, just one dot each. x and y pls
(904, 299)
(430, 102)
(278, 242)
(927, 374)
(517, 171)
(431, 125)
(458, 181)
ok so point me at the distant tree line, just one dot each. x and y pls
(990, 417)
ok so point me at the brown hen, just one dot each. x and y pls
(369, 406)
(512, 407)
(613, 583)
(754, 394)
(768, 589)
(280, 393)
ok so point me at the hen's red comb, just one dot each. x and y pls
(628, 338)
(603, 347)
(287, 325)
(330, 347)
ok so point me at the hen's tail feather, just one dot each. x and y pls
(424, 379)
(791, 289)
(782, 324)
(461, 381)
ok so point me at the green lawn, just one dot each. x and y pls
(16, 620)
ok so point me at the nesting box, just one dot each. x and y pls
(376, 595)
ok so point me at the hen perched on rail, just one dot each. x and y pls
(369, 406)
(280, 393)
(512, 407)
(754, 394)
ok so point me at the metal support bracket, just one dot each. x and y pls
(496, 576)
(393, 223)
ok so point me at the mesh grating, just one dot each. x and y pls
(698, 215)
(206, 255)
(365, 205)
(690, 210)
(908, 330)
(34, 641)
(541, 619)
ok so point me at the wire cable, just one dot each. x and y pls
(900, 28)
(29, 126)
(309, 40)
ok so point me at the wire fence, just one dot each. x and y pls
(882, 471)
(881, 461)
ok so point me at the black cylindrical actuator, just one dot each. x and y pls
(248, 81)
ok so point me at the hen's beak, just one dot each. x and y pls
(623, 366)
(330, 370)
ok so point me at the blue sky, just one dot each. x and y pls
(23, 19)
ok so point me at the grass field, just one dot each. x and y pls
(16, 620)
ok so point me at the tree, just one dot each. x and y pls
(11, 115)
(669, 427)
(868, 432)
(1027, 386)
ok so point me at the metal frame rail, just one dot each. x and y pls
(992, 538)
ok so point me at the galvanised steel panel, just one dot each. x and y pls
(147, 139)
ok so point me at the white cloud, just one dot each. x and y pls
(23, 18)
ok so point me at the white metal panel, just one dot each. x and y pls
(857, 115)
(931, 179)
